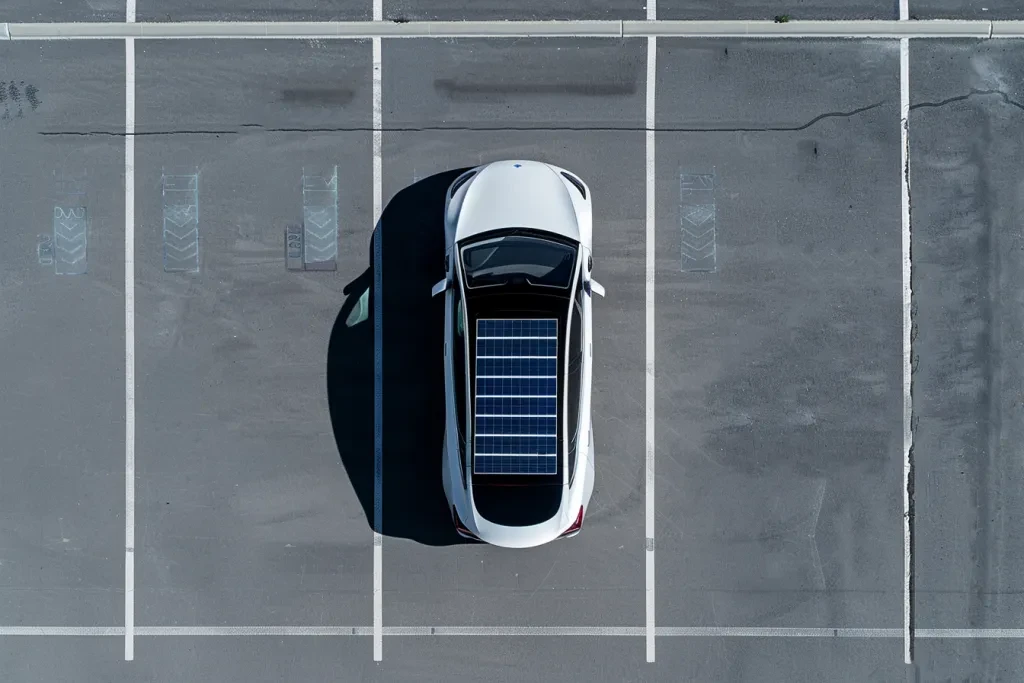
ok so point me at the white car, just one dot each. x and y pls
(518, 458)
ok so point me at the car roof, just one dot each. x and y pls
(519, 302)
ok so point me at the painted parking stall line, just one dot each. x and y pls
(129, 350)
(378, 338)
(650, 121)
(908, 406)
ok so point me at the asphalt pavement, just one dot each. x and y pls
(777, 339)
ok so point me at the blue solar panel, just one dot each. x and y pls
(516, 397)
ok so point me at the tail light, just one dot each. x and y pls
(460, 527)
(576, 526)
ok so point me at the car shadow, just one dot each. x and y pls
(407, 250)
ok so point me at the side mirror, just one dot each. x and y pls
(596, 288)
(439, 287)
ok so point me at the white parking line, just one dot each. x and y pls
(652, 54)
(908, 407)
(772, 632)
(204, 631)
(969, 633)
(378, 455)
(129, 351)
(362, 30)
(61, 631)
(518, 631)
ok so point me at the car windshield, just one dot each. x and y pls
(516, 259)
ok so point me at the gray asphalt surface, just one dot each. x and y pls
(968, 385)
(241, 491)
(779, 421)
(443, 659)
(779, 375)
(62, 409)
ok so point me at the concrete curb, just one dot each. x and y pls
(356, 30)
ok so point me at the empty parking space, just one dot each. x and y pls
(245, 513)
(968, 379)
(481, 94)
(61, 330)
(778, 329)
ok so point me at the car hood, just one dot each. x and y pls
(517, 194)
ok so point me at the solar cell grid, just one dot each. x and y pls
(515, 406)
(505, 367)
(517, 424)
(507, 347)
(515, 386)
(516, 397)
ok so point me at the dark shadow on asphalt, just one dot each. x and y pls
(411, 235)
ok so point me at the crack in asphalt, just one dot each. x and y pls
(421, 129)
(973, 93)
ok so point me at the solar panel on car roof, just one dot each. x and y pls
(516, 397)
